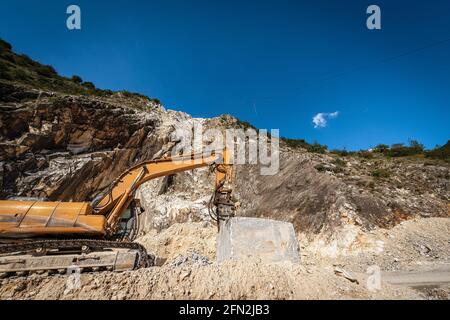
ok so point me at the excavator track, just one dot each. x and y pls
(23, 257)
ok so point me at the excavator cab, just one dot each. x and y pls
(128, 225)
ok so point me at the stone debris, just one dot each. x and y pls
(192, 258)
(190, 277)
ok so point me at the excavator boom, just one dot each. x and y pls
(121, 192)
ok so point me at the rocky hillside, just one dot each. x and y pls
(61, 140)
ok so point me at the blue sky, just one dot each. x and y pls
(276, 64)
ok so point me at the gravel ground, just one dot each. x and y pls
(188, 270)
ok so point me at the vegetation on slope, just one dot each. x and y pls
(19, 68)
(413, 150)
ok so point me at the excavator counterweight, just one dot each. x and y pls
(19, 219)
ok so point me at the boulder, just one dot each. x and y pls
(264, 239)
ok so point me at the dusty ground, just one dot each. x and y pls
(415, 254)
(411, 245)
(181, 238)
(188, 270)
(233, 280)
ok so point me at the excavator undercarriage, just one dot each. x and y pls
(86, 254)
(62, 249)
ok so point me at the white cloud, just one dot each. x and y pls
(320, 119)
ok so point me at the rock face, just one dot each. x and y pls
(70, 147)
(335, 202)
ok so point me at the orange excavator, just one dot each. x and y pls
(38, 236)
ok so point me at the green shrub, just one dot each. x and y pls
(381, 148)
(246, 125)
(135, 94)
(400, 150)
(301, 143)
(126, 93)
(342, 153)
(46, 71)
(8, 56)
(5, 46)
(320, 167)
(442, 153)
(339, 162)
(76, 79)
(89, 85)
(155, 100)
(295, 143)
(365, 154)
(337, 169)
(317, 148)
(4, 71)
(380, 173)
(25, 61)
(19, 74)
(100, 92)
(107, 92)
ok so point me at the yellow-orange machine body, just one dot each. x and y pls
(41, 218)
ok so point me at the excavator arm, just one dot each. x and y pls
(31, 219)
(122, 191)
